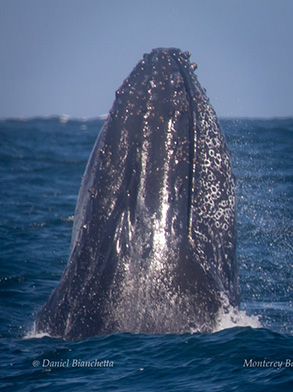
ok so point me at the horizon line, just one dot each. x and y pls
(63, 118)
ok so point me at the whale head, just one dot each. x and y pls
(153, 246)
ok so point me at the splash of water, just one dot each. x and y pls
(230, 317)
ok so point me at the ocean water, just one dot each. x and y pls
(42, 161)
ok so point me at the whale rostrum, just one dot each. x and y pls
(153, 245)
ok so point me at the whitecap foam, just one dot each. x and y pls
(236, 318)
(33, 334)
(230, 317)
(69, 218)
(64, 118)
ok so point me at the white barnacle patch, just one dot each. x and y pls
(215, 191)
(211, 176)
(153, 84)
(93, 192)
(218, 160)
(219, 213)
(209, 200)
(206, 162)
(225, 226)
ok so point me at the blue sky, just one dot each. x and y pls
(70, 56)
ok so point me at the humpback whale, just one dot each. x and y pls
(153, 246)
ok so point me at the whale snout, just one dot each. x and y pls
(153, 246)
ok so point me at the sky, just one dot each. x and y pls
(70, 56)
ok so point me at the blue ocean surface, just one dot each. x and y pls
(42, 162)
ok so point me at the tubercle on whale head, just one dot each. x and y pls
(177, 54)
(158, 69)
(156, 55)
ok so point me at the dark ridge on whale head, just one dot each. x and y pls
(153, 246)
